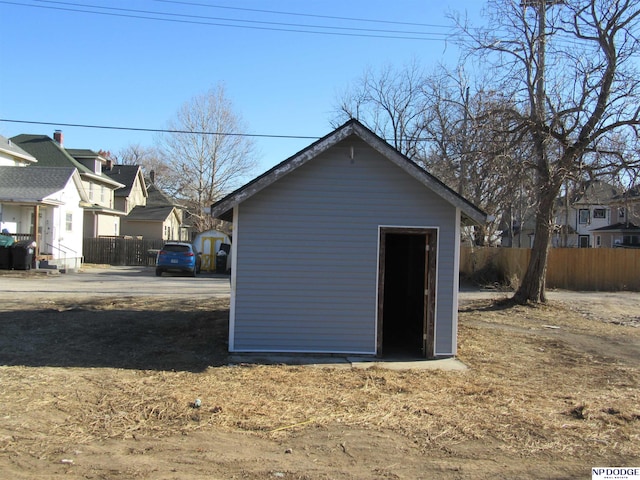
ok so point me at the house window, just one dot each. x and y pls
(583, 216)
(621, 213)
(599, 213)
(631, 240)
(598, 241)
(91, 192)
(102, 194)
(69, 222)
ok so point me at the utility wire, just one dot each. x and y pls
(331, 17)
(254, 24)
(188, 132)
(160, 130)
(201, 17)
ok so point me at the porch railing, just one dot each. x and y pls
(76, 259)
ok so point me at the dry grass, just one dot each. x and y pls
(527, 393)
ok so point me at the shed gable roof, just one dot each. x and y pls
(223, 208)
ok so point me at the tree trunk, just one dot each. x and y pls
(532, 287)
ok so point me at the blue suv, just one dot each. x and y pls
(178, 257)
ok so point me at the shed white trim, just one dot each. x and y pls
(234, 270)
(456, 289)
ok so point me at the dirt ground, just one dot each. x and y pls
(106, 388)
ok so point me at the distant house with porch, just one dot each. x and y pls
(44, 204)
(600, 215)
(618, 235)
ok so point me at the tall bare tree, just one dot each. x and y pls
(475, 150)
(570, 69)
(392, 103)
(454, 133)
(207, 155)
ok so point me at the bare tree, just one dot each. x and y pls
(392, 103)
(151, 162)
(475, 150)
(207, 155)
(456, 135)
(569, 68)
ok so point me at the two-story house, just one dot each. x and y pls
(587, 210)
(101, 218)
(624, 229)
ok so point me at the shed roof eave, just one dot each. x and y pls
(224, 207)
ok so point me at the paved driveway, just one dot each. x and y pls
(124, 281)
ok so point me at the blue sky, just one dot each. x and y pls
(114, 70)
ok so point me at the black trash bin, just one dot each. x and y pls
(221, 262)
(5, 258)
(22, 254)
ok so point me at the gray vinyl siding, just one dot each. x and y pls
(307, 253)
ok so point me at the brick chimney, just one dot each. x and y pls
(58, 137)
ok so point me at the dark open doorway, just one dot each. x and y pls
(405, 307)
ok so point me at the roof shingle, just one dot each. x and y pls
(32, 184)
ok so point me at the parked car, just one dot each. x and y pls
(178, 257)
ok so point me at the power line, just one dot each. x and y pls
(160, 130)
(187, 132)
(252, 24)
(331, 17)
(201, 17)
(389, 140)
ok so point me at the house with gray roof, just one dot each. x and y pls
(347, 247)
(134, 193)
(49, 201)
(151, 214)
(161, 217)
(101, 217)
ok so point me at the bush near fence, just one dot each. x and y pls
(588, 269)
(121, 251)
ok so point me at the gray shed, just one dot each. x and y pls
(346, 247)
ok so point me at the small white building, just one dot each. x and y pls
(47, 202)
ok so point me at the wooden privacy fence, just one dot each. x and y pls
(590, 269)
(121, 251)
